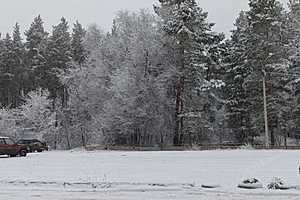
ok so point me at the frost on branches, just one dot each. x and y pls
(37, 115)
(198, 51)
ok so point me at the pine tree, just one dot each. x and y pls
(59, 57)
(36, 41)
(294, 57)
(197, 50)
(12, 69)
(21, 72)
(7, 72)
(36, 35)
(265, 54)
(237, 104)
(79, 54)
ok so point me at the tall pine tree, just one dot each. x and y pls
(20, 71)
(294, 57)
(7, 72)
(264, 54)
(196, 49)
(59, 56)
(79, 53)
(36, 43)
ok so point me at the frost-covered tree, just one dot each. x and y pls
(119, 96)
(294, 71)
(36, 41)
(79, 53)
(198, 56)
(12, 69)
(140, 82)
(20, 69)
(7, 68)
(88, 91)
(36, 113)
(238, 69)
(264, 53)
(94, 38)
(87, 87)
(58, 59)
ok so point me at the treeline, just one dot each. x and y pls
(36, 63)
(156, 78)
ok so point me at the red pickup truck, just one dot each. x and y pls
(10, 148)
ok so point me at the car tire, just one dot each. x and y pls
(40, 150)
(23, 153)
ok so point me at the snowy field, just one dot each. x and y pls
(147, 175)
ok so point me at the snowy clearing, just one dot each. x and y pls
(147, 175)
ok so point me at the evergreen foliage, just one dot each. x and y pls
(198, 55)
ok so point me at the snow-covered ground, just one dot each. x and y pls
(147, 175)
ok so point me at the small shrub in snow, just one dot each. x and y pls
(277, 184)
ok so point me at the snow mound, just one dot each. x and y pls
(251, 183)
(210, 186)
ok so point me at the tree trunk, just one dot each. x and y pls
(83, 138)
(272, 138)
(285, 139)
(178, 137)
(66, 119)
(178, 119)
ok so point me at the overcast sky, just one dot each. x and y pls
(221, 12)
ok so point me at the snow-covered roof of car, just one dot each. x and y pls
(2, 137)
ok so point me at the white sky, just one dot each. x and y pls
(221, 12)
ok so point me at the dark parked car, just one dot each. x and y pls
(34, 145)
(10, 148)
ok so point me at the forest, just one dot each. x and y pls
(159, 77)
